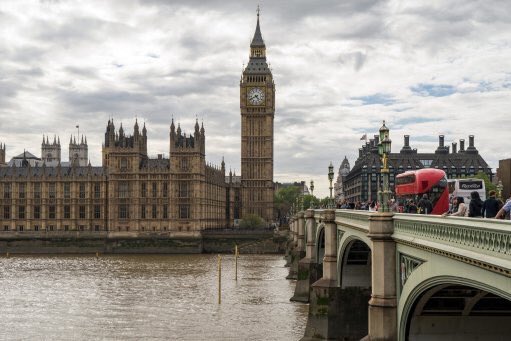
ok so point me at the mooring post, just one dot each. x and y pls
(219, 279)
(236, 262)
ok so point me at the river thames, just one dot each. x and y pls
(140, 297)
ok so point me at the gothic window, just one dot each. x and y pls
(67, 190)
(37, 190)
(82, 191)
(97, 190)
(21, 212)
(97, 212)
(143, 190)
(124, 189)
(183, 189)
(7, 191)
(51, 212)
(7, 212)
(142, 212)
(165, 211)
(82, 212)
(67, 212)
(124, 163)
(21, 190)
(165, 189)
(37, 212)
(123, 211)
(154, 189)
(51, 190)
(184, 164)
(154, 212)
(184, 211)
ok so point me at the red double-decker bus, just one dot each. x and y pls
(433, 182)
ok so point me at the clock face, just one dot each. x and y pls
(255, 96)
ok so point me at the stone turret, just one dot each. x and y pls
(78, 151)
(124, 151)
(2, 154)
(51, 151)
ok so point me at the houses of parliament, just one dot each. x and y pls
(131, 191)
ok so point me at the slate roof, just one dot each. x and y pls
(50, 171)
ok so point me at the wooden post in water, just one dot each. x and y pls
(219, 279)
(236, 262)
(97, 254)
(7, 255)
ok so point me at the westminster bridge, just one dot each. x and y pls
(384, 276)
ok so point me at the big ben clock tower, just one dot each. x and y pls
(257, 104)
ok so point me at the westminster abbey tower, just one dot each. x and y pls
(257, 104)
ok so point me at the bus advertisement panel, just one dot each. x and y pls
(463, 188)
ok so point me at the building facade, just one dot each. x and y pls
(361, 184)
(344, 170)
(257, 104)
(504, 175)
(133, 192)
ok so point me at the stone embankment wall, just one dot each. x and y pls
(103, 242)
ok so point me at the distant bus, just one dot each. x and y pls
(433, 182)
(463, 188)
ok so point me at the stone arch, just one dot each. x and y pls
(354, 263)
(448, 307)
(319, 249)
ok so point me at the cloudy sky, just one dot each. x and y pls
(340, 67)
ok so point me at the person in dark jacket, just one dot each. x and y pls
(491, 206)
(425, 206)
(476, 205)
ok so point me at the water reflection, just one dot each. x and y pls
(134, 297)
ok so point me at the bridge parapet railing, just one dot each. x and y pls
(358, 220)
(483, 238)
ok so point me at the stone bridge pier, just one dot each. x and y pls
(298, 251)
(307, 266)
(291, 244)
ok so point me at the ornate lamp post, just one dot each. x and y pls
(331, 178)
(384, 148)
(500, 187)
(312, 194)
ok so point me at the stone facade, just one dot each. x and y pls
(134, 193)
(257, 103)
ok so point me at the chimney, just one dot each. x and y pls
(376, 140)
(471, 148)
(454, 149)
(160, 156)
(462, 145)
(406, 147)
(360, 152)
(441, 141)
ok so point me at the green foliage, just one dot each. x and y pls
(487, 183)
(284, 199)
(252, 221)
(308, 200)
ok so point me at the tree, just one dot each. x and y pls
(487, 183)
(252, 221)
(308, 200)
(284, 199)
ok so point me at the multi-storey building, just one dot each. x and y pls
(361, 184)
(136, 193)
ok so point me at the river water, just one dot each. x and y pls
(147, 297)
